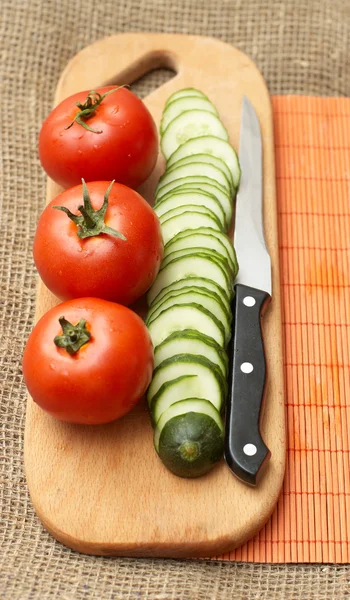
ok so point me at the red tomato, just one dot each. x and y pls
(102, 266)
(122, 146)
(101, 381)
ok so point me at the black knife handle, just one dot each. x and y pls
(245, 451)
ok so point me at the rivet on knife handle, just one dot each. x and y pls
(245, 450)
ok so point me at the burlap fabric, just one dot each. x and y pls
(301, 47)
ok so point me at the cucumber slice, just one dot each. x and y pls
(199, 240)
(178, 317)
(208, 251)
(212, 188)
(191, 124)
(180, 222)
(186, 386)
(173, 200)
(209, 144)
(189, 438)
(175, 293)
(206, 299)
(208, 159)
(191, 341)
(196, 179)
(188, 233)
(187, 364)
(185, 92)
(192, 169)
(179, 210)
(200, 282)
(195, 265)
(176, 107)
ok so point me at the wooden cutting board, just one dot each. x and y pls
(102, 489)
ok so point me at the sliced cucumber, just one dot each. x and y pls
(186, 386)
(212, 188)
(200, 282)
(184, 93)
(178, 210)
(196, 179)
(195, 265)
(191, 170)
(209, 144)
(188, 364)
(188, 218)
(206, 158)
(175, 199)
(191, 124)
(207, 251)
(173, 294)
(188, 233)
(176, 107)
(189, 438)
(178, 317)
(206, 299)
(191, 341)
(199, 240)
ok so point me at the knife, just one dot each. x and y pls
(245, 451)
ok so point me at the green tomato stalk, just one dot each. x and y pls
(91, 222)
(73, 336)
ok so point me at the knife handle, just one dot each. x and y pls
(245, 451)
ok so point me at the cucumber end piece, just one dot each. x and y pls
(190, 445)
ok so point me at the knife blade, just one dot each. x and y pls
(245, 451)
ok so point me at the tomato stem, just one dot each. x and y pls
(91, 222)
(73, 336)
(92, 101)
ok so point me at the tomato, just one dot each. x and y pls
(97, 377)
(115, 138)
(102, 265)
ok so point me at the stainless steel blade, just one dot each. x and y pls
(249, 240)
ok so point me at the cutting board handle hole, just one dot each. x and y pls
(148, 73)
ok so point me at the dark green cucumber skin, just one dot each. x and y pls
(191, 427)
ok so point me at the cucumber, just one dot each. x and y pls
(209, 159)
(180, 105)
(208, 251)
(211, 188)
(209, 144)
(194, 198)
(180, 222)
(195, 265)
(200, 282)
(189, 437)
(189, 318)
(185, 92)
(200, 240)
(196, 179)
(189, 233)
(192, 169)
(178, 317)
(192, 342)
(191, 124)
(187, 364)
(206, 299)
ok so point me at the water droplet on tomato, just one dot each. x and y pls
(52, 367)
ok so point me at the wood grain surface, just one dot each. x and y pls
(102, 489)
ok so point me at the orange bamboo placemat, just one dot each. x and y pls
(312, 520)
